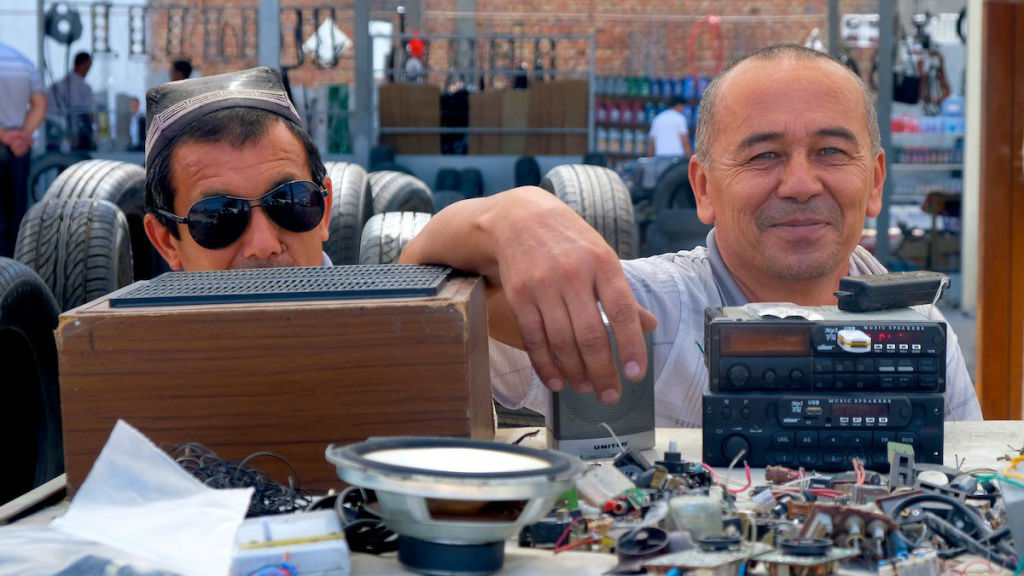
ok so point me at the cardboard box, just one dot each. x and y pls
(284, 377)
(515, 113)
(410, 106)
(485, 112)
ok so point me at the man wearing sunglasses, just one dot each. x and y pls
(232, 178)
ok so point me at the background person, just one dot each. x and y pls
(22, 109)
(181, 70)
(71, 104)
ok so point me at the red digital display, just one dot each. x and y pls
(766, 340)
(860, 410)
(895, 336)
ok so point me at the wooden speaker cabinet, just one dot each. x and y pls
(284, 377)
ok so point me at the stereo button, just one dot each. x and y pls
(808, 458)
(823, 365)
(879, 458)
(833, 458)
(735, 445)
(745, 412)
(832, 439)
(844, 366)
(864, 365)
(926, 365)
(739, 374)
(783, 439)
(928, 382)
(784, 457)
(726, 413)
(796, 375)
(857, 439)
(881, 439)
(907, 438)
(906, 365)
(887, 382)
(823, 381)
(806, 439)
(886, 365)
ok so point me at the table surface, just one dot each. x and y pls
(971, 444)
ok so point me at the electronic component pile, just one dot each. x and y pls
(678, 517)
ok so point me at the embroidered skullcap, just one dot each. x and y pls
(171, 107)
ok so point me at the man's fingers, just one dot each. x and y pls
(561, 336)
(536, 345)
(629, 322)
(594, 347)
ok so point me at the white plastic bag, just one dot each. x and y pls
(137, 499)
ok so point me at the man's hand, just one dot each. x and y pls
(19, 142)
(547, 269)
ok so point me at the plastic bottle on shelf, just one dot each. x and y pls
(645, 86)
(654, 87)
(626, 113)
(640, 142)
(614, 113)
(953, 115)
(677, 87)
(666, 87)
(650, 110)
(602, 139)
(627, 142)
(690, 88)
(600, 112)
(702, 85)
(614, 140)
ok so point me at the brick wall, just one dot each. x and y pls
(639, 37)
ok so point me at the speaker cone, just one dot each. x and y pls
(454, 502)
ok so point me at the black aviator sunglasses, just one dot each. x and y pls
(218, 221)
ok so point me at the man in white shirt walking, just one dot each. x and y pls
(669, 134)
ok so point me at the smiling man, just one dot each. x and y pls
(788, 164)
(232, 178)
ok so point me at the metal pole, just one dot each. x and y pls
(833, 29)
(886, 35)
(361, 121)
(591, 137)
(270, 34)
(41, 57)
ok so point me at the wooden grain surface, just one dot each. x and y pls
(1000, 344)
(289, 378)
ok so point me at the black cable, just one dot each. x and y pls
(365, 531)
(525, 436)
(966, 513)
(269, 496)
(965, 542)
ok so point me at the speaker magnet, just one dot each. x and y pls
(437, 559)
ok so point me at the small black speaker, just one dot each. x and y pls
(575, 420)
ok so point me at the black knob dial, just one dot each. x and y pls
(739, 374)
(769, 376)
(735, 444)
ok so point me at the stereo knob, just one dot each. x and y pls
(739, 374)
(735, 444)
(769, 376)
